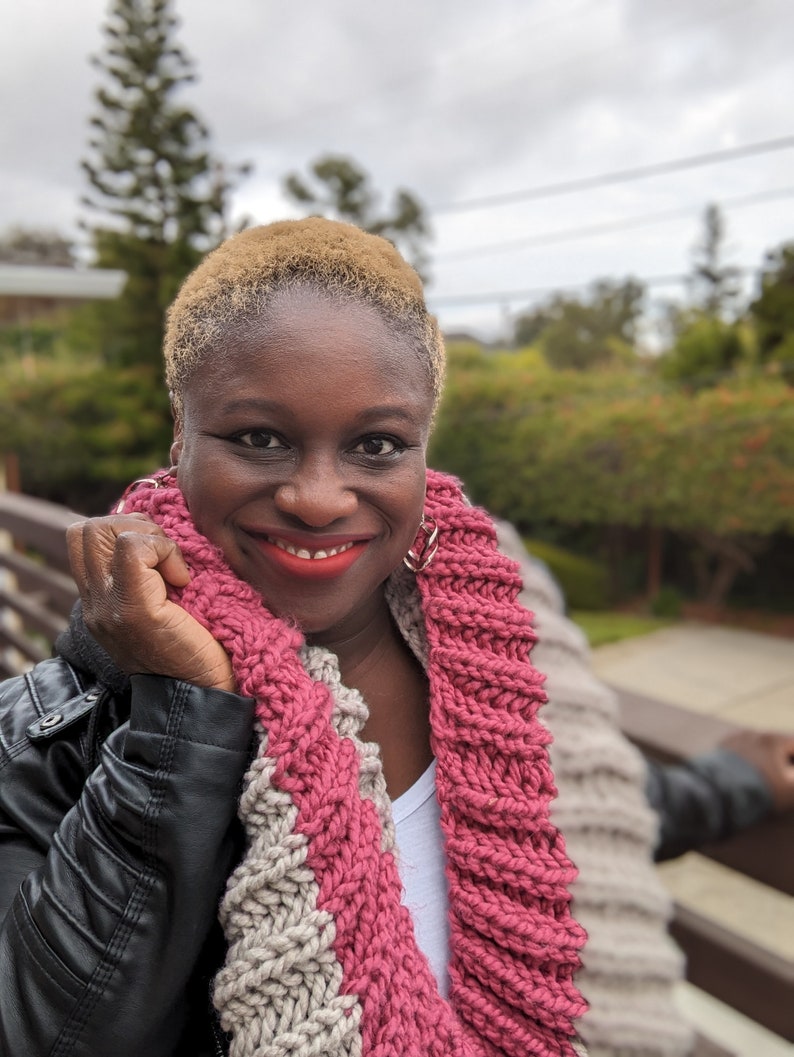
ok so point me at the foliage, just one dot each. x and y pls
(715, 286)
(705, 351)
(38, 337)
(465, 354)
(773, 310)
(611, 449)
(337, 187)
(36, 246)
(586, 332)
(540, 447)
(161, 193)
(667, 602)
(82, 432)
(584, 582)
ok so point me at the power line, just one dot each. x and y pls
(641, 172)
(590, 230)
(503, 296)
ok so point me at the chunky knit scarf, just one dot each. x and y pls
(322, 959)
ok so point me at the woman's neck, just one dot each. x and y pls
(361, 641)
(375, 660)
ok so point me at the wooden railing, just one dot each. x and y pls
(36, 595)
(756, 981)
(36, 590)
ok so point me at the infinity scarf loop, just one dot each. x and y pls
(322, 959)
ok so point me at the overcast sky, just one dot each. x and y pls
(455, 100)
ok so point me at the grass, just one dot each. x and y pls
(608, 626)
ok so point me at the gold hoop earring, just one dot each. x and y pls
(157, 481)
(419, 559)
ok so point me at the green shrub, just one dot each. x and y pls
(584, 581)
(667, 602)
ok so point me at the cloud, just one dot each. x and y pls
(451, 100)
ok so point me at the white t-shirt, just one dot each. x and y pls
(420, 843)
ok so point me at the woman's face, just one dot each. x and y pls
(301, 454)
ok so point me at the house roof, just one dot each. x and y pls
(24, 280)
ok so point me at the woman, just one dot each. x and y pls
(305, 371)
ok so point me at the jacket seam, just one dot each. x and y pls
(30, 682)
(25, 922)
(106, 849)
(110, 903)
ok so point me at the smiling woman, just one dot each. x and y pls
(309, 436)
(299, 624)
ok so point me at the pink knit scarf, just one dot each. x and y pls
(322, 958)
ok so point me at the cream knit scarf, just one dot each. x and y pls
(322, 960)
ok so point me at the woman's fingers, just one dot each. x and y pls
(92, 543)
(123, 565)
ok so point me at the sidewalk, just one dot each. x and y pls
(744, 677)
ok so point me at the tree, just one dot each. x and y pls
(529, 326)
(708, 340)
(22, 245)
(162, 193)
(705, 351)
(103, 429)
(580, 333)
(715, 286)
(337, 187)
(773, 309)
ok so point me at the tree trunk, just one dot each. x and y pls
(722, 580)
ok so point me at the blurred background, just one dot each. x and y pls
(600, 196)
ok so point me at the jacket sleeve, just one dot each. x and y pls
(106, 926)
(707, 798)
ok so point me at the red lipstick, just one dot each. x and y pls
(320, 560)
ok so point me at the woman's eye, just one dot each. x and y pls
(259, 438)
(378, 446)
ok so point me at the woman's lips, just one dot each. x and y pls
(311, 562)
(307, 553)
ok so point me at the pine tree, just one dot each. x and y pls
(715, 285)
(773, 310)
(162, 193)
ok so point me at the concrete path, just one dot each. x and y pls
(741, 676)
(744, 677)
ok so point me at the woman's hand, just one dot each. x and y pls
(122, 565)
(772, 753)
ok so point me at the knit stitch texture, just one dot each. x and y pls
(322, 958)
(631, 965)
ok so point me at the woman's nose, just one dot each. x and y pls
(316, 495)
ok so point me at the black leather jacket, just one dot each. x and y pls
(705, 799)
(117, 834)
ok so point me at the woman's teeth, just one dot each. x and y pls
(301, 552)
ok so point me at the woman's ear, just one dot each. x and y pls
(176, 447)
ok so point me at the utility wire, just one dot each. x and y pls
(618, 176)
(590, 230)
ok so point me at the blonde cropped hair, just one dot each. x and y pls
(238, 282)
